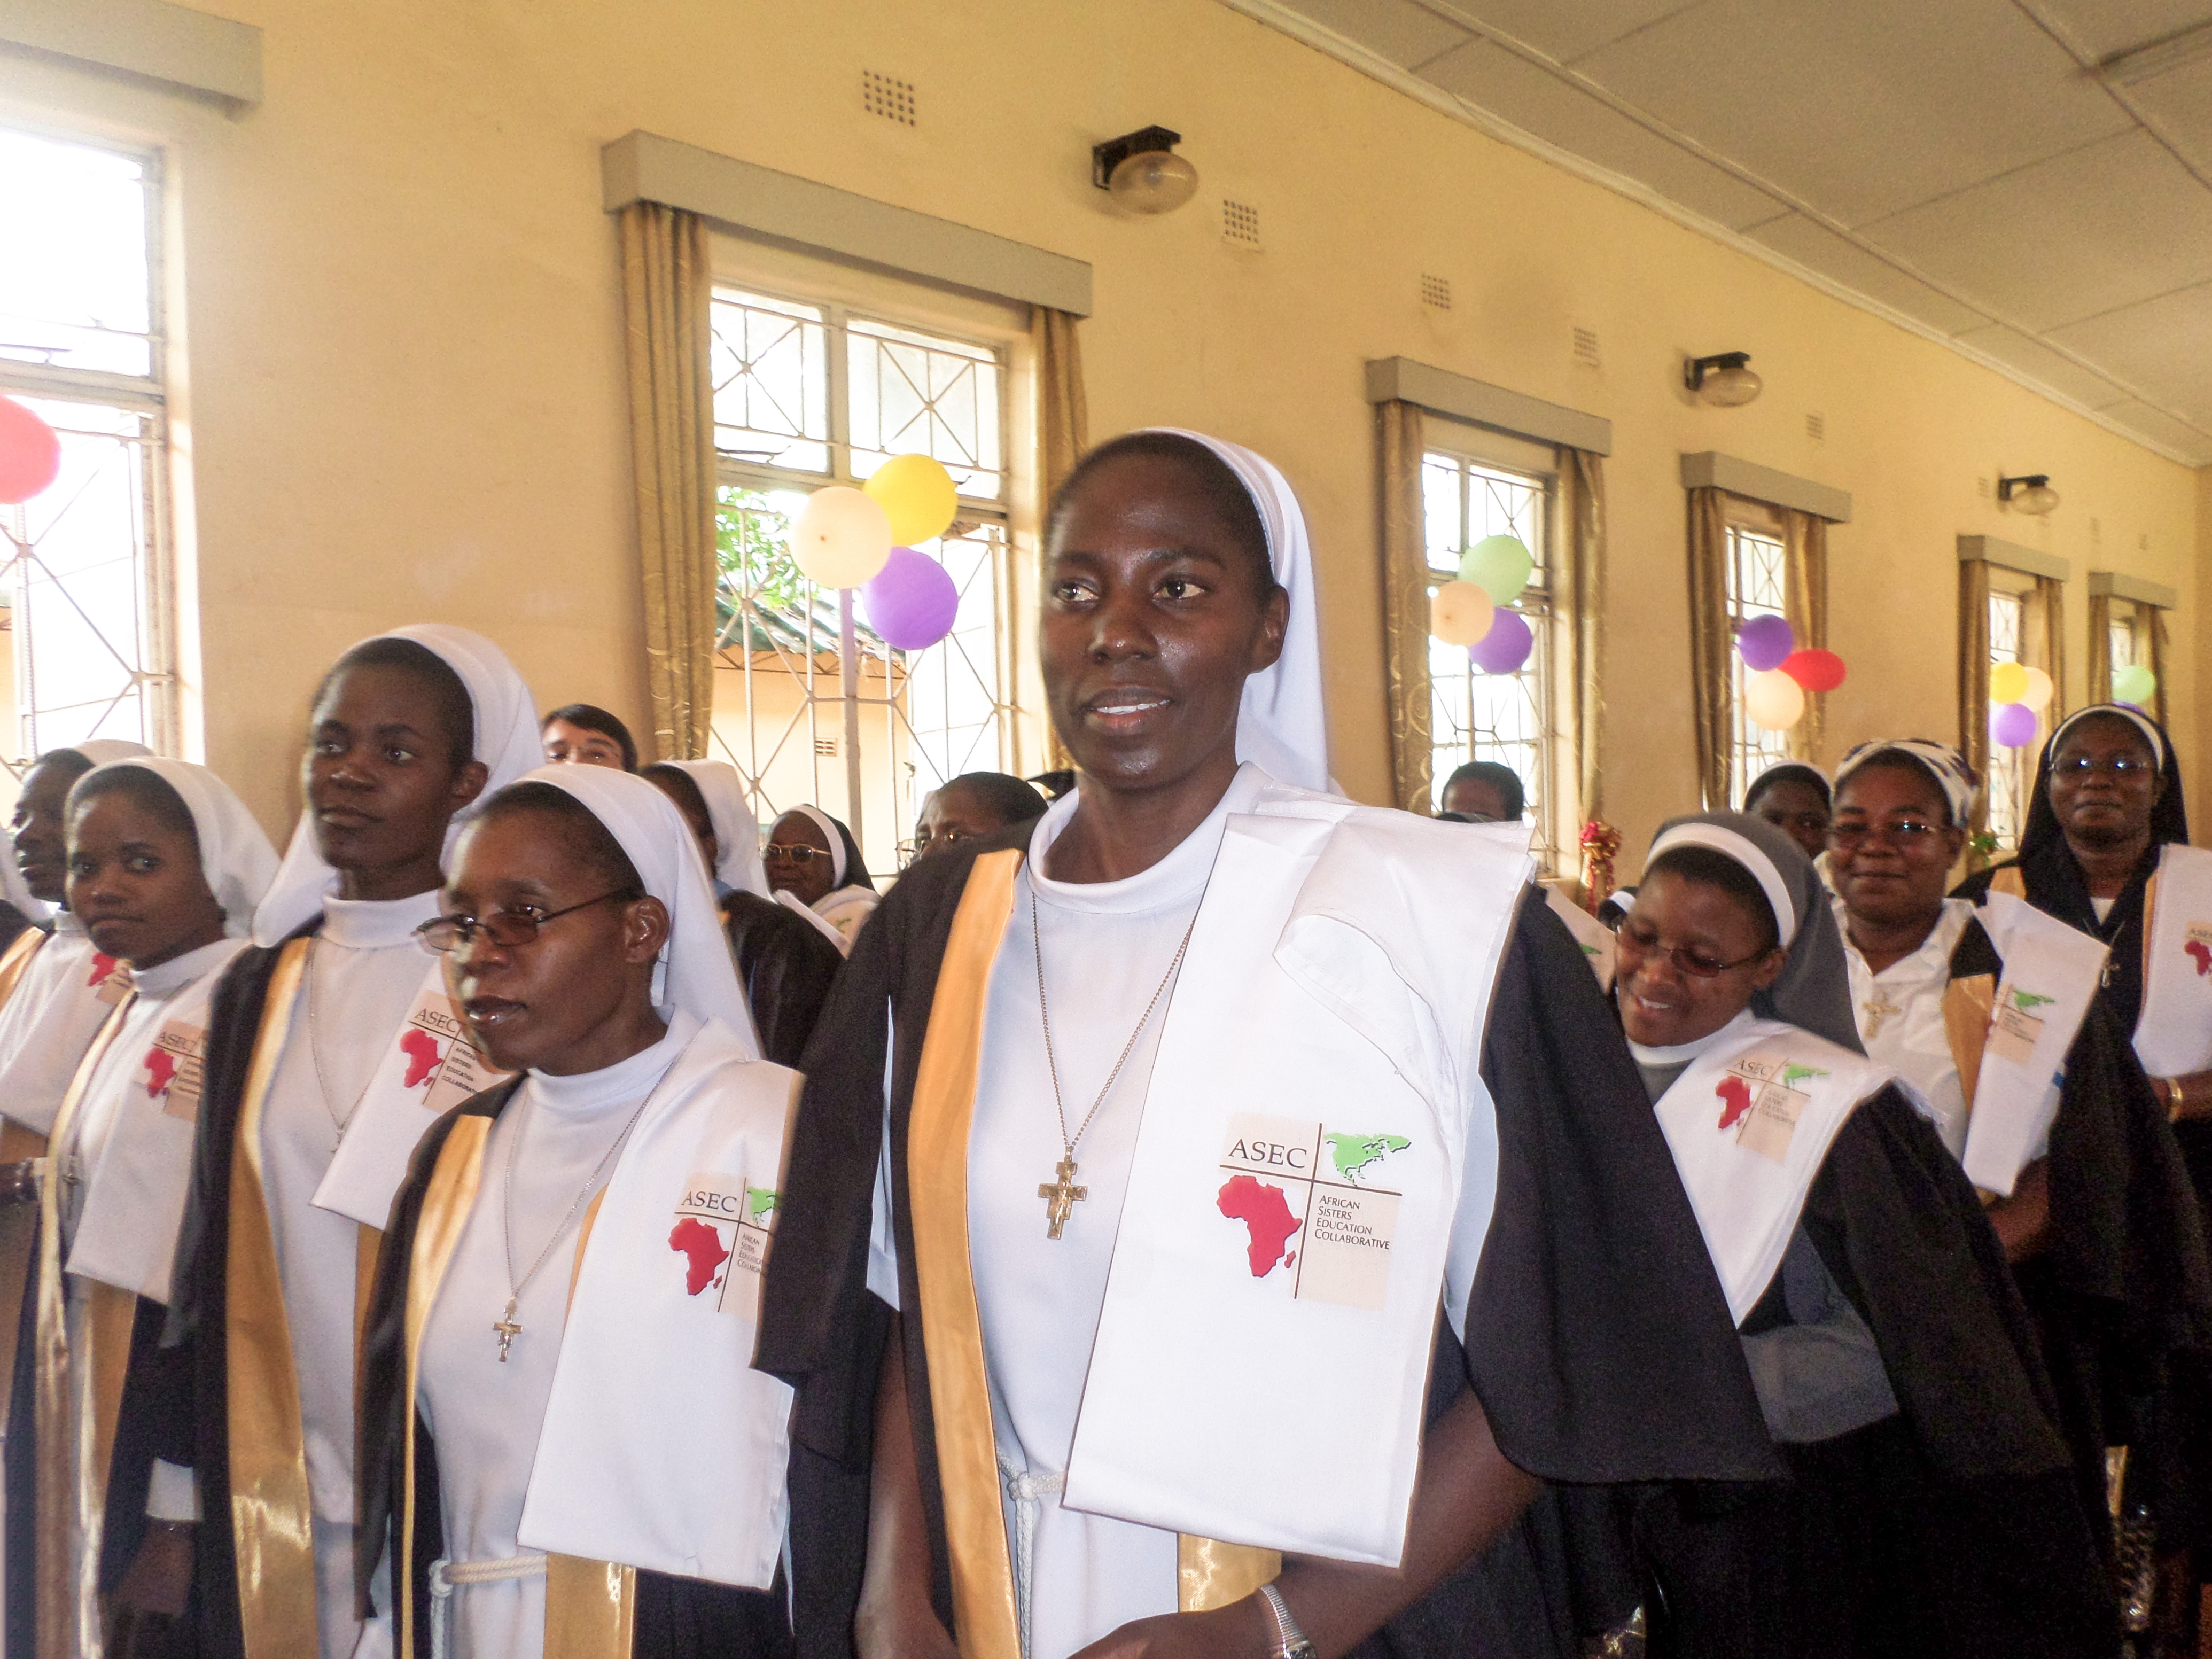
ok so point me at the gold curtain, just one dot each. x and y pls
(1805, 602)
(1580, 589)
(1405, 601)
(2101, 648)
(667, 281)
(1710, 642)
(2155, 630)
(2050, 600)
(1974, 677)
(1063, 435)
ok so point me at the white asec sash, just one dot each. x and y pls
(1750, 1122)
(2051, 976)
(662, 1448)
(1315, 1128)
(134, 1197)
(431, 1066)
(67, 992)
(2173, 1036)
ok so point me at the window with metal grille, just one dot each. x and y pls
(88, 632)
(2008, 768)
(808, 394)
(2120, 625)
(1474, 715)
(1755, 578)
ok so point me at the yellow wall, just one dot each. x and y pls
(405, 395)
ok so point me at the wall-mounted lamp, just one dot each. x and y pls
(1142, 171)
(2031, 493)
(1725, 381)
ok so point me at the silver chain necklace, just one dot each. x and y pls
(1061, 1195)
(507, 1328)
(315, 1048)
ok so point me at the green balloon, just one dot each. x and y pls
(1499, 565)
(2133, 684)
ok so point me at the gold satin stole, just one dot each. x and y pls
(1209, 1573)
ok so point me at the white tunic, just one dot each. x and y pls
(48, 1023)
(362, 970)
(486, 1415)
(1899, 1012)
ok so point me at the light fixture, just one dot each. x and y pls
(2031, 493)
(1141, 171)
(1725, 381)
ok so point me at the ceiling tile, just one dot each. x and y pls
(2102, 27)
(1860, 110)
(1533, 99)
(2067, 239)
(1845, 262)
(1562, 33)
(1399, 30)
(2162, 347)
(2158, 427)
(2180, 103)
(2040, 363)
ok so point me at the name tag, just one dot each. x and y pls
(722, 1230)
(1318, 1207)
(171, 1069)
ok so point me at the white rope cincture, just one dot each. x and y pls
(447, 1577)
(1028, 1492)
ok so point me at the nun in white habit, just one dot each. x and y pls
(562, 1330)
(1163, 1120)
(815, 867)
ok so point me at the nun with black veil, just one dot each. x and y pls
(1929, 1505)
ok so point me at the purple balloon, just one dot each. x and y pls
(911, 602)
(1764, 642)
(2013, 725)
(1505, 646)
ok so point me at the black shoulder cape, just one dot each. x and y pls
(787, 965)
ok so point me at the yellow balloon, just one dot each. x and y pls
(1774, 701)
(2040, 691)
(1460, 613)
(840, 538)
(2009, 683)
(917, 492)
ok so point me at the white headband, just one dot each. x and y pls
(828, 825)
(1745, 852)
(2149, 730)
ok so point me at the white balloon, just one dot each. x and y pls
(2039, 691)
(1460, 613)
(1773, 700)
(841, 538)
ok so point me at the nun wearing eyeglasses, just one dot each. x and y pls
(1929, 1506)
(564, 1447)
(814, 866)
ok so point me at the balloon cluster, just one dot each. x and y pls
(864, 538)
(2134, 684)
(1781, 674)
(1473, 609)
(2017, 694)
(30, 454)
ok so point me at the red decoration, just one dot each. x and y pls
(30, 454)
(1600, 846)
(1815, 669)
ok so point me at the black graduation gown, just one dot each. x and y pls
(676, 1617)
(1599, 1342)
(1951, 1527)
(787, 965)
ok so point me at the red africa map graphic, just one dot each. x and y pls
(1268, 1221)
(702, 1248)
(2200, 954)
(160, 1072)
(423, 1056)
(102, 966)
(1737, 1094)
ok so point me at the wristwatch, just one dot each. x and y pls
(1290, 1642)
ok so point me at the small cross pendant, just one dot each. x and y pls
(1878, 1013)
(1061, 1198)
(506, 1329)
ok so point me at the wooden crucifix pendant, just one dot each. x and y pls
(1878, 1013)
(1061, 1198)
(506, 1329)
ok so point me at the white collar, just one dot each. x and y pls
(376, 924)
(1681, 1053)
(1181, 875)
(179, 973)
(581, 1093)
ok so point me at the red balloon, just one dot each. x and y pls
(30, 454)
(1815, 669)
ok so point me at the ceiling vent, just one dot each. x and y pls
(1436, 291)
(1586, 347)
(1816, 427)
(888, 96)
(1240, 223)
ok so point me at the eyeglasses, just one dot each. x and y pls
(1695, 964)
(791, 852)
(506, 928)
(2117, 766)
(1905, 835)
